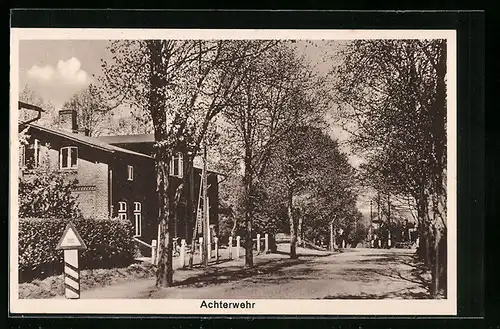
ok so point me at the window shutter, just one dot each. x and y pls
(74, 156)
(37, 153)
(181, 166)
(21, 156)
(61, 165)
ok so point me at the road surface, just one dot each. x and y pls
(351, 274)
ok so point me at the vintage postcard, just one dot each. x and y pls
(269, 172)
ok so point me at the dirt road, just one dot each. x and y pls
(351, 274)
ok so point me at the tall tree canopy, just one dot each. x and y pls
(278, 92)
(180, 86)
(91, 108)
(313, 180)
(392, 98)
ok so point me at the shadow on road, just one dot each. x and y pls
(302, 254)
(390, 266)
(215, 275)
(406, 293)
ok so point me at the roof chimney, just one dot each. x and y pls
(83, 131)
(67, 120)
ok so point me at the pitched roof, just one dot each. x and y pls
(23, 105)
(147, 138)
(86, 140)
(128, 139)
(105, 143)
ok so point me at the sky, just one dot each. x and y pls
(57, 69)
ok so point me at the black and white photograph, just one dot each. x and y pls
(233, 171)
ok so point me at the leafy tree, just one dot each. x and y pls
(278, 92)
(91, 108)
(46, 193)
(312, 179)
(28, 95)
(181, 85)
(392, 99)
(356, 229)
(48, 117)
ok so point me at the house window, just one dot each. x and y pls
(176, 165)
(30, 155)
(122, 210)
(22, 161)
(137, 218)
(68, 157)
(130, 170)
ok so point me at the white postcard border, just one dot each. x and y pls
(262, 306)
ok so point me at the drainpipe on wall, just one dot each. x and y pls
(110, 192)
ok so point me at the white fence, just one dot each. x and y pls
(219, 253)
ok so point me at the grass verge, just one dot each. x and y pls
(89, 279)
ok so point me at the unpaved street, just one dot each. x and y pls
(353, 274)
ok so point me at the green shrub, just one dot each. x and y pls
(109, 244)
(47, 193)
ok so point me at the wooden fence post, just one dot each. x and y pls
(200, 240)
(258, 242)
(230, 247)
(266, 243)
(153, 251)
(216, 245)
(238, 247)
(182, 253)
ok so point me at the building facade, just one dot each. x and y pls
(114, 175)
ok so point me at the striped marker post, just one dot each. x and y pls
(71, 274)
(71, 242)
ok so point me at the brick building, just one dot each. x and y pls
(115, 175)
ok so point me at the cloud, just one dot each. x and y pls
(70, 70)
(45, 73)
(66, 72)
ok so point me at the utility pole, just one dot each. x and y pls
(389, 219)
(371, 221)
(388, 209)
(378, 206)
(206, 226)
(332, 245)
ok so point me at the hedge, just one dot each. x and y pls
(109, 244)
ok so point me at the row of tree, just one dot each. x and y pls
(392, 99)
(260, 105)
(261, 102)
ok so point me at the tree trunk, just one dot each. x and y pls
(300, 241)
(235, 225)
(424, 243)
(192, 215)
(293, 232)
(206, 219)
(248, 184)
(443, 263)
(332, 242)
(435, 271)
(426, 248)
(164, 274)
(157, 101)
